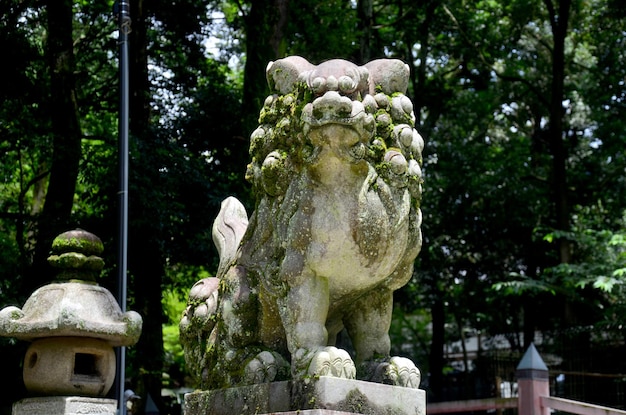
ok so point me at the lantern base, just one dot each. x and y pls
(65, 405)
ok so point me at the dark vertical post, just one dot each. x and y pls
(123, 10)
(532, 383)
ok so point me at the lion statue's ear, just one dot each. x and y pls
(283, 74)
(388, 76)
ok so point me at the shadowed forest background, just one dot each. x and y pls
(522, 104)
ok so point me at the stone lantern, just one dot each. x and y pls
(73, 324)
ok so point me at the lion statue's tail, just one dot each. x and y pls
(228, 230)
(198, 321)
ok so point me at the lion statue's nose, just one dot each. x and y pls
(330, 107)
(333, 108)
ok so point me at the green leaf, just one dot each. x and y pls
(618, 239)
(605, 284)
(620, 272)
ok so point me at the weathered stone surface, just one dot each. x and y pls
(335, 167)
(76, 254)
(253, 399)
(69, 366)
(76, 307)
(315, 412)
(323, 394)
(71, 309)
(73, 324)
(65, 405)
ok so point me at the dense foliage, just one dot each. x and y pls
(521, 102)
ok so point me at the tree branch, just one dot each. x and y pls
(538, 93)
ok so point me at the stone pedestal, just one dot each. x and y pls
(65, 405)
(319, 396)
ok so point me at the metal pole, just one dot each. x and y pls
(123, 10)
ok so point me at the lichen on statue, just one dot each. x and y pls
(335, 167)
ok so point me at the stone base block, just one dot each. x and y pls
(315, 397)
(65, 405)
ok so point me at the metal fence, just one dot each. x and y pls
(585, 364)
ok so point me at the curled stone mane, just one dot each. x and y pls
(374, 100)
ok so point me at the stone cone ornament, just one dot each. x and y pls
(73, 324)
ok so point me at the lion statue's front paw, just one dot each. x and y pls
(398, 371)
(325, 361)
(265, 367)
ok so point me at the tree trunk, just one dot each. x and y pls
(418, 74)
(139, 84)
(146, 265)
(559, 20)
(436, 358)
(264, 37)
(365, 23)
(66, 138)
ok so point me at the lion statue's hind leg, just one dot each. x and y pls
(397, 371)
(368, 326)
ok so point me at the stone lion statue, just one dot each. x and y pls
(336, 228)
